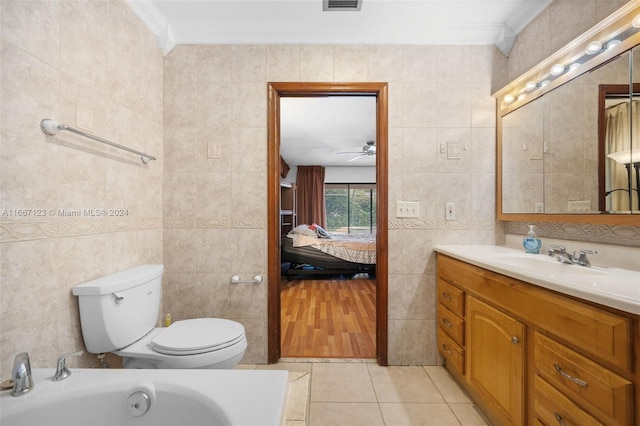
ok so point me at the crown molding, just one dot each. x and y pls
(525, 14)
(155, 21)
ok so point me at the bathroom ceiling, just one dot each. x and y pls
(316, 131)
(305, 22)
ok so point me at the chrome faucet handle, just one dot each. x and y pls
(554, 247)
(62, 372)
(21, 375)
(582, 260)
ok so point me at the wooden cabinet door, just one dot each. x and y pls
(495, 359)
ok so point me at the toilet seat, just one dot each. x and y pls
(197, 336)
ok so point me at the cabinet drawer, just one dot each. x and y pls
(451, 323)
(601, 391)
(451, 297)
(553, 408)
(451, 351)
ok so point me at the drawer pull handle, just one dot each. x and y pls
(515, 340)
(447, 322)
(446, 296)
(567, 376)
(558, 418)
(446, 349)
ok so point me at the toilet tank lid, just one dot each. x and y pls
(119, 281)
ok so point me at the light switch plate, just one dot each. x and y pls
(579, 206)
(84, 117)
(407, 209)
(453, 151)
(450, 211)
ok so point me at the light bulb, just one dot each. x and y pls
(508, 99)
(593, 47)
(573, 66)
(613, 43)
(557, 69)
(636, 22)
(531, 86)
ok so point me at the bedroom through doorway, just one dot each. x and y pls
(326, 298)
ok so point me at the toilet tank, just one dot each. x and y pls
(118, 309)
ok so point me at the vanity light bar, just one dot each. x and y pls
(592, 49)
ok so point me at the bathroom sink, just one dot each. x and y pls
(546, 264)
(607, 285)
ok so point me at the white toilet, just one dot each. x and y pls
(118, 314)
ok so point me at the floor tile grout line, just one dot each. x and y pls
(373, 386)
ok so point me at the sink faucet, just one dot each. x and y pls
(62, 372)
(570, 258)
(582, 259)
(21, 375)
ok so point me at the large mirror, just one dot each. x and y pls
(574, 148)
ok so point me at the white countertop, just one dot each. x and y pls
(614, 287)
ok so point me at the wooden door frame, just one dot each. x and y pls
(603, 91)
(302, 89)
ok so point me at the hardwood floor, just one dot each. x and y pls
(328, 318)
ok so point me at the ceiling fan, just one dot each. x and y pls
(368, 150)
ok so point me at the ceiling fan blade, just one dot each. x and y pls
(359, 156)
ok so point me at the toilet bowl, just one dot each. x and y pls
(119, 313)
(195, 343)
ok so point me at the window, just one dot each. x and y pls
(351, 207)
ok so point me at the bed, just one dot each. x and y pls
(312, 252)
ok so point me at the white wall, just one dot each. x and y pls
(340, 174)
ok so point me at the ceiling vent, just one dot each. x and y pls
(341, 4)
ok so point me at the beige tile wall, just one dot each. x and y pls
(215, 191)
(67, 61)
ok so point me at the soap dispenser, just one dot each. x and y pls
(532, 243)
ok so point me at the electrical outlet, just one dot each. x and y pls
(538, 208)
(450, 211)
(407, 209)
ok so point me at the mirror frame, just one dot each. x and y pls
(614, 24)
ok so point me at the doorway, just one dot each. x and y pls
(275, 92)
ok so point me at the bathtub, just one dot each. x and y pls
(173, 397)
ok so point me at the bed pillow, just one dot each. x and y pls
(320, 231)
(304, 230)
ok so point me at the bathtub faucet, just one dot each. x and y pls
(21, 375)
(62, 372)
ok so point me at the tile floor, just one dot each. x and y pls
(363, 393)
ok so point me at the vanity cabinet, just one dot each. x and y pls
(528, 355)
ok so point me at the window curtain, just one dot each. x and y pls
(310, 183)
(617, 139)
